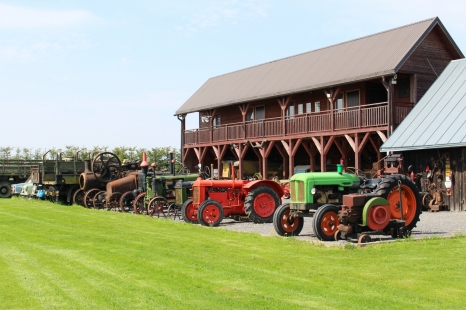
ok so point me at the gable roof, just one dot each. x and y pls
(356, 60)
(439, 119)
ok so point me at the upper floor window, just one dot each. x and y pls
(404, 88)
(338, 103)
(255, 113)
(216, 120)
(352, 99)
(290, 110)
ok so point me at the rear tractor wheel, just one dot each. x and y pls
(260, 204)
(410, 198)
(285, 224)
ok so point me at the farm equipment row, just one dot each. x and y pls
(343, 205)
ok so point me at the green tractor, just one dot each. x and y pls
(348, 206)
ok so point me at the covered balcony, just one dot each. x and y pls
(310, 124)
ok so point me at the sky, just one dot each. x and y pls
(113, 73)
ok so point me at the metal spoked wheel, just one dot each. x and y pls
(89, 197)
(78, 197)
(158, 206)
(139, 205)
(126, 201)
(99, 200)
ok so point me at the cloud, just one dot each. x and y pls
(25, 17)
(216, 14)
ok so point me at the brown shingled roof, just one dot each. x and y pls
(372, 56)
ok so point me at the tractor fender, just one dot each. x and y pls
(272, 184)
(376, 201)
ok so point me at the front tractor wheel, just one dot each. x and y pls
(286, 225)
(210, 213)
(326, 222)
(189, 212)
(260, 204)
(410, 198)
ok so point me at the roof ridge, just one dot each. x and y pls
(326, 47)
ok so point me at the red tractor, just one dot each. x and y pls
(215, 199)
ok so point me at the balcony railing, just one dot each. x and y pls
(372, 115)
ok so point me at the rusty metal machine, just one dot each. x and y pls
(104, 168)
(215, 199)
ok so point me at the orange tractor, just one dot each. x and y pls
(215, 199)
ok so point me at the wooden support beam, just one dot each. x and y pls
(382, 136)
(329, 144)
(351, 142)
(311, 151)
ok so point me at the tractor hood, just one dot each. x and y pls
(328, 178)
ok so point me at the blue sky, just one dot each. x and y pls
(112, 73)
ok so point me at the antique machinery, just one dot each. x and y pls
(346, 205)
(104, 168)
(214, 199)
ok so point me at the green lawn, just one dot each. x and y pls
(62, 257)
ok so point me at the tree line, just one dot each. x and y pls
(158, 155)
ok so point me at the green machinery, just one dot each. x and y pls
(347, 205)
(14, 171)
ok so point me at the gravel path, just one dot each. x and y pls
(441, 224)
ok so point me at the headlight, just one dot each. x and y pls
(313, 191)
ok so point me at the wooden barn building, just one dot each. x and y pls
(432, 139)
(310, 111)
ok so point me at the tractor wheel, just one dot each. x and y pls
(158, 206)
(89, 197)
(410, 198)
(126, 201)
(326, 222)
(78, 197)
(284, 224)
(139, 205)
(99, 200)
(210, 213)
(189, 212)
(5, 190)
(260, 204)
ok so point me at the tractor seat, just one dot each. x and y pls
(370, 183)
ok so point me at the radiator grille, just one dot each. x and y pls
(300, 193)
(196, 195)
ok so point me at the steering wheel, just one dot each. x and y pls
(360, 173)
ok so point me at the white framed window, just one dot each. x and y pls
(317, 106)
(290, 110)
(300, 108)
(308, 107)
(338, 104)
